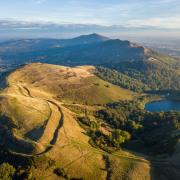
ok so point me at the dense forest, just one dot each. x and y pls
(157, 75)
(134, 128)
(121, 79)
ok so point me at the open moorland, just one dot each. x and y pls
(42, 110)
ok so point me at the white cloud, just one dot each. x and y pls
(163, 22)
(39, 1)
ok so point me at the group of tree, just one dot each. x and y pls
(142, 76)
(158, 131)
(121, 79)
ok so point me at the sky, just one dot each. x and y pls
(125, 19)
(135, 13)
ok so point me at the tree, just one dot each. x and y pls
(119, 137)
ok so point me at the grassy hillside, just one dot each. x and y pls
(157, 73)
(43, 129)
(77, 85)
(37, 125)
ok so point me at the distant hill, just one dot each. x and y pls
(83, 40)
(110, 51)
(91, 49)
(156, 71)
(29, 45)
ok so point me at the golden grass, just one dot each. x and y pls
(26, 103)
(51, 126)
(26, 113)
(128, 169)
(77, 84)
(73, 153)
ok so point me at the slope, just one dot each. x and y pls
(56, 135)
(77, 84)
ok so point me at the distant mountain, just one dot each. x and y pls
(110, 51)
(83, 40)
(91, 49)
(157, 71)
(29, 45)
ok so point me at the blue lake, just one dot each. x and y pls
(164, 105)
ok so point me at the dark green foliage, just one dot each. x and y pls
(85, 120)
(156, 75)
(120, 79)
(98, 139)
(119, 137)
(114, 117)
(24, 174)
(125, 115)
(159, 132)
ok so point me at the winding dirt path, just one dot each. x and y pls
(53, 125)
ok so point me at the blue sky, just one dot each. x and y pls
(135, 13)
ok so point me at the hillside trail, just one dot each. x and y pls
(49, 137)
(52, 127)
(55, 122)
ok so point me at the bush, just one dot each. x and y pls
(7, 171)
(60, 172)
(85, 121)
(119, 137)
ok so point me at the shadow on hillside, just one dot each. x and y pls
(9, 140)
(164, 171)
(36, 133)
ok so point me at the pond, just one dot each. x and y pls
(163, 105)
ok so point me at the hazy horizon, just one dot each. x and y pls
(130, 19)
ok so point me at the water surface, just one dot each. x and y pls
(163, 105)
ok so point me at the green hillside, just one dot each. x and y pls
(156, 73)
